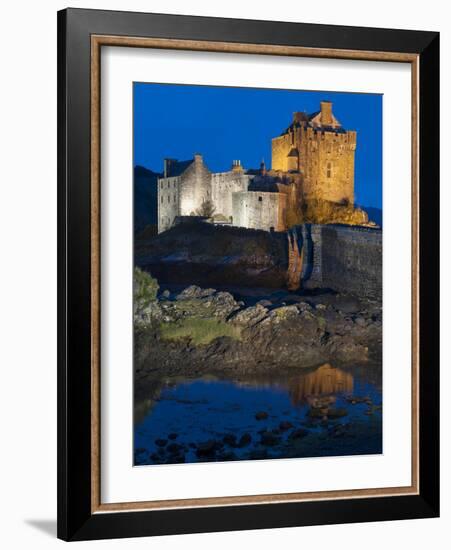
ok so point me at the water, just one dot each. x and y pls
(327, 411)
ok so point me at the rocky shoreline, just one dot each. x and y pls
(203, 330)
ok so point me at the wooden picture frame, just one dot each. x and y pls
(81, 35)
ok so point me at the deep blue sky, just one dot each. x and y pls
(238, 123)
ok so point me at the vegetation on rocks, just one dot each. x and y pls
(145, 287)
(326, 212)
(199, 331)
(145, 291)
(202, 330)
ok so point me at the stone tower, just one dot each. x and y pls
(322, 151)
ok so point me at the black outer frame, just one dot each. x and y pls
(75, 520)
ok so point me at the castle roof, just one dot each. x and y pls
(313, 120)
(177, 167)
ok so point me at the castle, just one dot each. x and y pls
(313, 159)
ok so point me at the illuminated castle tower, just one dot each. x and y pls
(322, 151)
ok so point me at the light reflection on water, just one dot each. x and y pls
(327, 411)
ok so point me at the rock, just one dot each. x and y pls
(207, 448)
(194, 291)
(321, 306)
(250, 316)
(298, 434)
(285, 425)
(303, 306)
(245, 439)
(264, 303)
(261, 415)
(224, 304)
(286, 312)
(337, 413)
(316, 413)
(146, 313)
(174, 448)
(347, 304)
(269, 439)
(175, 459)
(161, 442)
(230, 439)
(155, 457)
(172, 436)
(165, 295)
(360, 321)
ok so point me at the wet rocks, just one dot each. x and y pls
(261, 415)
(174, 448)
(298, 434)
(230, 439)
(285, 425)
(336, 413)
(245, 440)
(269, 439)
(207, 448)
(161, 442)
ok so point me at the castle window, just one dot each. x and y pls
(162, 199)
(169, 199)
(329, 169)
(260, 199)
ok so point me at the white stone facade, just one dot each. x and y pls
(188, 184)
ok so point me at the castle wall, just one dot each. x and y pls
(259, 210)
(223, 184)
(281, 146)
(168, 202)
(195, 187)
(327, 163)
(344, 258)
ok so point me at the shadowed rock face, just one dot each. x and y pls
(145, 198)
(339, 257)
(209, 255)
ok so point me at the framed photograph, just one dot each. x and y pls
(248, 274)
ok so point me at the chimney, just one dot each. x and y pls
(197, 157)
(326, 113)
(236, 166)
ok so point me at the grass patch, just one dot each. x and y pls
(199, 331)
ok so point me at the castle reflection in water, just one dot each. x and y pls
(325, 380)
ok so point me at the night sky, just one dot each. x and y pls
(224, 124)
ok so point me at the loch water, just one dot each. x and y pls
(326, 411)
